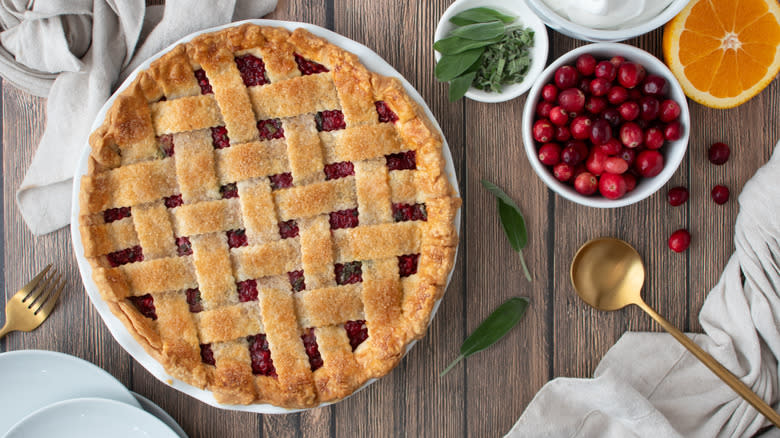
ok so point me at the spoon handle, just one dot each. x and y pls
(727, 376)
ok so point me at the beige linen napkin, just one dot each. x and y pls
(87, 47)
(647, 385)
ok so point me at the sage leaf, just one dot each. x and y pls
(492, 329)
(450, 67)
(455, 45)
(479, 15)
(460, 85)
(512, 221)
(480, 31)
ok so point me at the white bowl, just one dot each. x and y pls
(527, 18)
(673, 151)
(574, 30)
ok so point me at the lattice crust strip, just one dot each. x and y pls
(268, 218)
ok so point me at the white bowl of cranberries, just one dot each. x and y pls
(606, 125)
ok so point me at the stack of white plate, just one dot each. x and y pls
(44, 393)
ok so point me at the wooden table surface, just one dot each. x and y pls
(560, 336)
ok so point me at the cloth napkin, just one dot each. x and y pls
(76, 52)
(648, 385)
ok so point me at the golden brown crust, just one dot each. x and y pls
(129, 166)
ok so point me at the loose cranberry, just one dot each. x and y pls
(543, 109)
(600, 86)
(611, 147)
(559, 116)
(631, 135)
(677, 196)
(612, 116)
(649, 163)
(586, 64)
(648, 108)
(630, 181)
(654, 85)
(628, 154)
(595, 105)
(617, 61)
(586, 184)
(578, 169)
(584, 85)
(595, 162)
(654, 138)
(563, 172)
(673, 131)
(670, 110)
(680, 240)
(566, 77)
(605, 70)
(617, 95)
(580, 127)
(550, 93)
(629, 111)
(562, 133)
(718, 153)
(600, 132)
(612, 186)
(543, 131)
(630, 74)
(550, 154)
(572, 99)
(571, 156)
(615, 165)
(720, 194)
(635, 94)
(579, 146)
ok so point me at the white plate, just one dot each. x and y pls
(373, 62)
(158, 412)
(90, 417)
(32, 379)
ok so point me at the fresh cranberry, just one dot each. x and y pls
(145, 305)
(563, 172)
(308, 67)
(203, 82)
(339, 170)
(718, 153)
(612, 116)
(385, 114)
(402, 161)
(281, 181)
(288, 229)
(600, 86)
(611, 147)
(558, 116)
(580, 127)
(571, 156)
(631, 135)
(194, 300)
(586, 184)
(566, 77)
(595, 105)
(125, 256)
(219, 137)
(649, 163)
(247, 290)
(720, 194)
(183, 246)
(260, 356)
(586, 64)
(562, 133)
(173, 201)
(654, 85)
(606, 70)
(550, 93)
(595, 162)
(584, 85)
(615, 165)
(312, 349)
(680, 240)
(572, 99)
(654, 138)
(543, 131)
(612, 186)
(630, 74)
(630, 181)
(600, 132)
(207, 354)
(357, 332)
(648, 108)
(628, 154)
(617, 95)
(297, 281)
(237, 238)
(344, 219)
(673, 131)
(409, 212)
(270, 129)
(407, 264)
(543, 108)
(550, 154)
(629, 111)
(115, 214)
(252, 70)
(578, 169)
(670, 110)
(617, 60)
(349, 273)
(330, 120)
(677, 196)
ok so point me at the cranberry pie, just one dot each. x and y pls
(268, 218)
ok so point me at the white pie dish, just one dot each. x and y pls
(371, 60)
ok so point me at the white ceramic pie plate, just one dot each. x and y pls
(373, 62)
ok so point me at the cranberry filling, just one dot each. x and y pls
(349, 273)
(312, 349)
(165, 145)
(288, 229)
(386, 115)
(174, 201)
(308, 67)
(207, 355)
(247, 290)
(402, 161)
(261, 355)
(270, 129)
(407, 264)
(344, 219)
(252, 70)
(194, 300)
(219, 137)
(114, 214)
(145, 305)
(125, 256)
(203, 81)
(296, 280)
(339, 170)
(281, 181)
(357, 332)
(330, 120)
(229, 191)
(409, 212)
(183, 246)
(237, 238)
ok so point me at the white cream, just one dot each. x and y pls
(608, 14)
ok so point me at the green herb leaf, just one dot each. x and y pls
(479, 31)
(512, 221)
(450, 67)
(460, 85)
(479, 15)
(493, 328)
(455, 45)
(507, 61)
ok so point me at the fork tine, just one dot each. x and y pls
(46, 307)
(39, 291)
(25, 291)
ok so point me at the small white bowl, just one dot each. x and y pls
(527, 18)
(673, 151)
(574, 30)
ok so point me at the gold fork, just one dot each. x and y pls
(29, 307)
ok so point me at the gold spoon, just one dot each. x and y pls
(608, 274)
